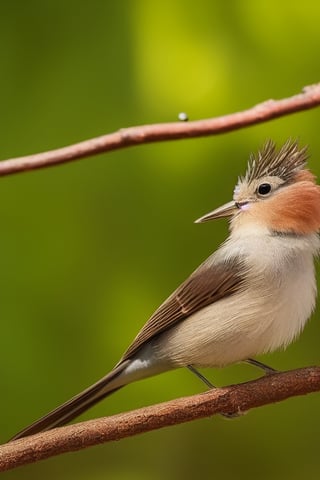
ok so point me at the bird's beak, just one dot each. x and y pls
(226, 210)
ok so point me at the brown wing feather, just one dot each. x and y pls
(208, 284)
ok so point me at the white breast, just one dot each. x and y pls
(269, 312)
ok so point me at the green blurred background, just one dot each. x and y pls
(90, 249)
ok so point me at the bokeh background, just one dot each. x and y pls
(88, 250)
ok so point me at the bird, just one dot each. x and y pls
(252, 296)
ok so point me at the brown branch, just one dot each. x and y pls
(126, 137)
(232, 399)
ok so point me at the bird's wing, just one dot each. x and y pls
(211, 282)
(208, 284)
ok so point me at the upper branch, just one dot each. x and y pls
(126, 137)
(233, 399)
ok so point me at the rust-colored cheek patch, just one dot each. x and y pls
(295, 209)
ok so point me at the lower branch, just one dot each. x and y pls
(233, 399)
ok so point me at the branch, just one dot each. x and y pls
(126, 137)
(233, 399)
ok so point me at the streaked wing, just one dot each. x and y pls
(208, 284)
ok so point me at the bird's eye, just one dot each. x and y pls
(264, 189)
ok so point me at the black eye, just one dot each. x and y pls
(264, 189)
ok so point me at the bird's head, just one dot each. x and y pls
(277, 192)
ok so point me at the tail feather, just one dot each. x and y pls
(76, 405)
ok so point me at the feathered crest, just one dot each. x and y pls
(283, 163)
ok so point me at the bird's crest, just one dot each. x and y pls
(283, 163)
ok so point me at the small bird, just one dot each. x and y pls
(252, 296)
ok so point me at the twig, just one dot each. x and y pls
(233, 399)
(126, 137)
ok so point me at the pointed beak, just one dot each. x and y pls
(227, 210)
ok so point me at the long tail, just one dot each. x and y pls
(78, 404)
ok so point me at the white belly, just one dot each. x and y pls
(267, 314)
